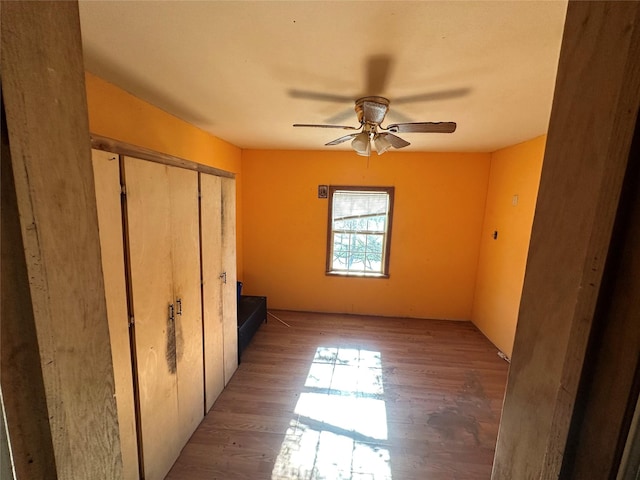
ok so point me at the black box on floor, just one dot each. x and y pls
(252, 311)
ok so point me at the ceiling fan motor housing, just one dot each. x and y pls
(371, 110)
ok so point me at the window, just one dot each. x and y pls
(359, 232)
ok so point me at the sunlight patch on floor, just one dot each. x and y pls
(340, 430)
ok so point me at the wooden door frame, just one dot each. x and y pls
(59, 289)
(587, 158)
(607, 396)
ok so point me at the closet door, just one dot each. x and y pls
(185, 248)
(150, 241)
(211, 238)
(106, 170)
(229, 290)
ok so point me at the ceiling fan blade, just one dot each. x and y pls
(378, 69)
(343, 127)
(425, 97)
(325, 97)
(342, 116)
(342, 139)
(395, 141)
(423, 127)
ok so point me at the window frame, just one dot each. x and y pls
(386, 244)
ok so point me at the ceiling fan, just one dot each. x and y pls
(371, 112)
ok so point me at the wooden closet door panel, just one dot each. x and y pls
(211, 237)
(106, 170)
(149, 209)
(185, 247)
(229, 290)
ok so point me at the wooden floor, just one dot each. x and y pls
(350, 397)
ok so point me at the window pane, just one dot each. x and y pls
(373, 262)
(356, 264)
(340, 251)
(376, 224)
(339, 262)
(374, 243)
(341, 242)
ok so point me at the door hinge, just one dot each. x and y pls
(131, 321)
(123, 190)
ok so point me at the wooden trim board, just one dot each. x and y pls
(116, 146)
(20, 370)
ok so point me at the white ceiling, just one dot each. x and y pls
(245, 71)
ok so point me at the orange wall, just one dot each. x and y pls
(444, 263)
(117, 114)
(515, 170)
(437, 221)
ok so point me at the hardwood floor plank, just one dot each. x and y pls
(387, 399)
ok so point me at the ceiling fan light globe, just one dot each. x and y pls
(361, 144)
(382, 143)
